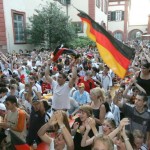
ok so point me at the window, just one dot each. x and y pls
(118, 35)
(116, 15)
(98, 3)
(19, 27)
(78, 26)
(105, 6)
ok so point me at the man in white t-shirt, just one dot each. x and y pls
(61, 88)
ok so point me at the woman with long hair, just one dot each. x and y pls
(99, 110)
(62, 139)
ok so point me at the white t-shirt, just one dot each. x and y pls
(60, 96)
(37, 88)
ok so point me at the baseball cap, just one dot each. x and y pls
(2, 106)
(81, 85)
(35, 100)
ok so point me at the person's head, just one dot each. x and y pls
(33, 63)
(145, 67)
(106, 69)
(120, 142)
(81, 87)
(85, 112)
(2, 110)
(32, 79)
(36, 103)
(138, 138)
(135, 91)
(13, 88)
(141, 100)
(65, 120)
(88, 74)
(103, 143)
(11, 102)
(61, 78)
(108, 126)
(6, 66)
(15, 66)
(3, 91)
(97, 94)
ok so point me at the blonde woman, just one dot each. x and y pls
(99, 110)
(103, 143)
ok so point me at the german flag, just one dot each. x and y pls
(61, 50)
(113, 52)
(17, 143)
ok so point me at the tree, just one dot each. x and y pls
(81, 42)
(50, 27)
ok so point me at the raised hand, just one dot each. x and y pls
(91, 122)
(59, 117)
(123, 123)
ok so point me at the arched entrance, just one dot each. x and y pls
(132, 35)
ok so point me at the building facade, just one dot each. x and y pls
(15, 15)
(124, 16)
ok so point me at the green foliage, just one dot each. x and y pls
(50, 27)
(81, 42)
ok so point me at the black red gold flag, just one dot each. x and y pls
(17, 143)
(61, 50)
(114, 53)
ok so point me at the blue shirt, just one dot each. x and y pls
(81, 98)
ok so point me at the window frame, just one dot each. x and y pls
(13, 12)
(80, 22)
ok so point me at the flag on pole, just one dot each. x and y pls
(114, 53)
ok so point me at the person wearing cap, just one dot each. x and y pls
(15, 119)
(81, 96)
(88, 81)
(61, 88)
(38, 117)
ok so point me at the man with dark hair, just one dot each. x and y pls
(138, 114)
(61, 88)
(15, 119)
(3, 94)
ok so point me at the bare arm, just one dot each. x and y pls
(42, 133)
(101, 115)
(74, 75)
(65, 132)
(47, 76)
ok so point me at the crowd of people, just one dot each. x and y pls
(75, 104)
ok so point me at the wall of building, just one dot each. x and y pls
(116, 25)
(142, 28)
(3, 43)
(26, 6)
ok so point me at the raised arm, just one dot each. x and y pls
(47, 76)
(67, 136)
(74, 73)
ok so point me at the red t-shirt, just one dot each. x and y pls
(45, 86)
(89, 84)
